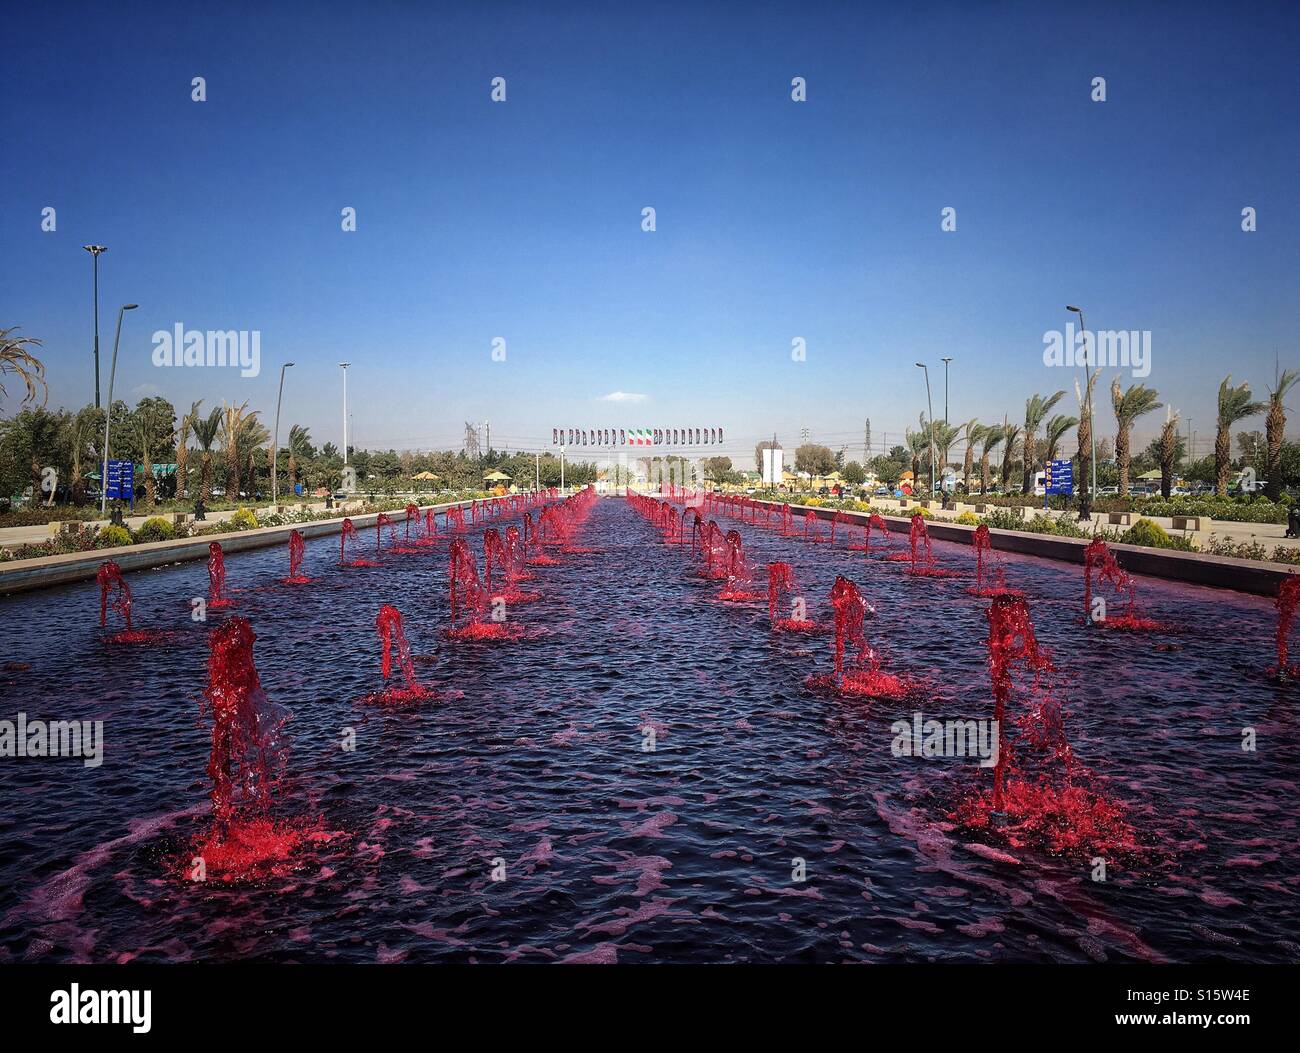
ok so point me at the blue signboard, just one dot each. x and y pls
(1058, 477)
(121, 481)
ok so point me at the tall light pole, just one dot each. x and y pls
(275, 440)
(1092, 423)
(930, 405)
(344, 366)
(108, 414)
(561, 467)
(94, 251)
(945, 388)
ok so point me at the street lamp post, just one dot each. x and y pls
(275, 440)
(945, 388)
(930, 406)
(94, 251)
(344, 366)
(108, 413)
(1092, 423)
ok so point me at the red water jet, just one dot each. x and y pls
(1097, 557)
(388, 623)
(1288, 599)
(217, 577)
(297, 550)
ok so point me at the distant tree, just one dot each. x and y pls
(853, 473)
(814, 459)
(716, 467)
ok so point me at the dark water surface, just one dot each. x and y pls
(612, 852)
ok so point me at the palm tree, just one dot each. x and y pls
(1129, 406)
(16, 358)
(300, 446)
(82, 431)
(1084, 433)
(944, 437)
(1012, 433)
(1274, 428)
(1036, 408)
(252, 435)
(233, 418)
(183, 430)
(991, 437)
(918, 443)
(1235, 404)
(206, 430)
(142, 430)
(1169, 446)
(1056, 429)
(971, 432)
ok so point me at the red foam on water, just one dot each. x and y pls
(1061, 819)
(255, 849)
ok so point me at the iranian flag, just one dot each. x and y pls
(639, 437)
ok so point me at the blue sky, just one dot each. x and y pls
(775, 219)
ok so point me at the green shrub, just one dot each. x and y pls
(155, 528)
(1145, 532)
(112, 537)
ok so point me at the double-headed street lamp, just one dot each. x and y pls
(275, 441)
(1092, 424)
(108, 412)
(930, 406)
(94, 251)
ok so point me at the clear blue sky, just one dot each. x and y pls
(776, 220)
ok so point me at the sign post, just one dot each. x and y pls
(1058, 478)
(120, 484)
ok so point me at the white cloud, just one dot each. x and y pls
(623, 396)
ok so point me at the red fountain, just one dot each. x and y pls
(858, 666)
(875, 522)
(787, 521)
(533, 543)
(1288, 599)
(1048, 809)
(114, 592)
(739, 586)
(245, 766)
(454, 519)
(349, 531)
(112, 584)
(297, 550)
(984, 559)
(713, 547)
(384, 520)
(1099, 558)
(388, 623)
(811, 527)
(217, 577)
(470, 602)
(922, 555)
(783, 595)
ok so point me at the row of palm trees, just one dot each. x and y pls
(241, 435)
(1235, 404)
